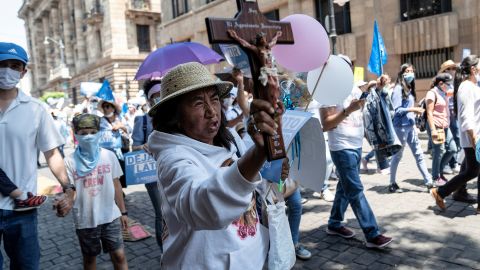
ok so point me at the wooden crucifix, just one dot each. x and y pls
(254, 32)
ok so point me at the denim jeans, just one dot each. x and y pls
(456, 137)
(350, 191)
(409, 135)
(369, 155)
(154, 195)
(442, 153)
(20, 239)
(294, 204)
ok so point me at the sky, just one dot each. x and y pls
(12, 29)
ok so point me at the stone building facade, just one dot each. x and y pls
(425, 32)
(74, 41)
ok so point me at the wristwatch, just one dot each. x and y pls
(69, 186)
(125, 213)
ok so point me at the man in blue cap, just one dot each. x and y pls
(25, 126)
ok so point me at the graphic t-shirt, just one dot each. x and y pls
(95, 202)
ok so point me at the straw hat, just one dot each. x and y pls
(447, 64)
(186, 78)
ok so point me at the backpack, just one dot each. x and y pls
(421, 120)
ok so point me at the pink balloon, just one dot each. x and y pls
(311, 48)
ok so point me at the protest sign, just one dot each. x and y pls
(89, 89)
(292, 122)
(140, 168)
(358, 74)
(236, 57)
(110, 140)
(309, 160)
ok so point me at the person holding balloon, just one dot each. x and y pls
(344, 123)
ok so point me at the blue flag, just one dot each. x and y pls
(378, 55)
(105, 92)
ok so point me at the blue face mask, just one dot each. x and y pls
(409, 77)
(87, 153)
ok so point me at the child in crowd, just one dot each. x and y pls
(23, 201)
(99, 211)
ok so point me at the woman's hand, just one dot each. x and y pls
(355, 105)
(434, 134)
(261, 121)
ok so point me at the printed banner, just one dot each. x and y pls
(140, 168)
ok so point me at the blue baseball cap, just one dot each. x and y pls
(12, 51)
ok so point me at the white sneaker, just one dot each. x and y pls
(456, 169)
(327, 195)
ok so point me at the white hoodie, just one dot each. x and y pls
(205, 206)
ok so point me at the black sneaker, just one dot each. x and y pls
(342, 231)
(379, 241)
(394, 188)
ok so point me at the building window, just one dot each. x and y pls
(180, 7)
(209, 1)
(343, 24)
(427, 63)
(99, 40)
(143, 38)
(413, 9)
(273, 15)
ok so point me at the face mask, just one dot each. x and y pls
(88, 152)
(9, 78)
(109, 115)
(409, 77)
(88, 143)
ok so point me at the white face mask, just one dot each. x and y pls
(109, 115)
(9, 78)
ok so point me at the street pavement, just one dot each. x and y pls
(424, 237)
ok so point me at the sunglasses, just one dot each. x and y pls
(107, 105)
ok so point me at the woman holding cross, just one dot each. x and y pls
(268, 72)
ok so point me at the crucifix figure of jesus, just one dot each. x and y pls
(257, 34)
(262, 50)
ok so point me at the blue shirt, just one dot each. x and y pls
(402, 117)
(140, 137)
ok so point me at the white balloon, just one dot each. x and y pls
(335, 83)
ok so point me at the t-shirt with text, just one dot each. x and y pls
(95, 202)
